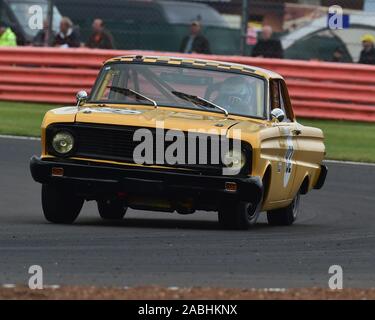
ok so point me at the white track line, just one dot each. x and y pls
(327, 161)
(273, 290)
(19, 137)
(52, 286)
(355, 163)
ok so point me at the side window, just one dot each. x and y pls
(275, 95)
(278, 97)
(4, 16)
(282, 103)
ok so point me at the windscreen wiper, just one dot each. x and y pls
(129, 92)
(199, 101)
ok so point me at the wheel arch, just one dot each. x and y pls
(266, 179)
(304, 189)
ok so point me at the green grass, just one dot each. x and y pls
(22, 119)
(354, 141)
(344, 140)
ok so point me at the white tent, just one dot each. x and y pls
(360, 23)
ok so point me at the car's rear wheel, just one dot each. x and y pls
(285, 216)
(60, 205)
(238, 216)
(111, 209)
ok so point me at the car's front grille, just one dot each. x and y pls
(107, 142)
(111, 144)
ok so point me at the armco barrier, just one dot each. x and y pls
(318, 89)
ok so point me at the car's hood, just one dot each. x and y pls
(155, 117)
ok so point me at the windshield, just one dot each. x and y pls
(20, 8)
(239, 94)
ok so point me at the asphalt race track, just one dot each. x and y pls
(336, 227)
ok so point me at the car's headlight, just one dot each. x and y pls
(235, 159)
(63, 142)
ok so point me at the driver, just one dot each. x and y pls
(235, 95)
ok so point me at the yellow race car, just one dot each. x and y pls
(178, 134)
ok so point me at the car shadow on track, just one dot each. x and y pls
(183, 224)
(161, 224)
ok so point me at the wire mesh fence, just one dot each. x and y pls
(292, 29)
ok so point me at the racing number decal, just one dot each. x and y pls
(288, 160)
(288, 155)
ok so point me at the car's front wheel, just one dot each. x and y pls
(285, 216)
(239, 216)
(111, 209)
(60, 205)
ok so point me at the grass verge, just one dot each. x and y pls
(22, 119)
(352, 141)
(345, 140)
(160, 293)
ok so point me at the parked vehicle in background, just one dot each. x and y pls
(15, 13)
(152, 25)
(316, 41)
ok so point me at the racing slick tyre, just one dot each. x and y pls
(238, 216)
(60, 205)
(284, 216)
(111, 209)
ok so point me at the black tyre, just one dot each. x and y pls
(60, 205)
(238, 216)
(111, 209)
(285, 216)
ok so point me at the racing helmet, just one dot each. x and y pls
(235, 93)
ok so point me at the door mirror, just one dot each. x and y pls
(277, 114)
(81, 97)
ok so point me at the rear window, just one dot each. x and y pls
(20, 9)
(185, 13)
(111, 11)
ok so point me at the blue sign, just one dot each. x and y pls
(338, 21)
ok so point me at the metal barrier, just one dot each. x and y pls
(317, 89)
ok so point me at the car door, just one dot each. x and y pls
(286, 167)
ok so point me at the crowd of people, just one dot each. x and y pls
(68, 36)
(269, 47)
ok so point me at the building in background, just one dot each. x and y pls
(273, 12)
(15, 13)
(302, 25)
(160, 25)
(369, 6)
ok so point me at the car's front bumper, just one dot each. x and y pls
(93, 179)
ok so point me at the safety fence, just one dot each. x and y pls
(318, 89)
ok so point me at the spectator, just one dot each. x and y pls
(368, 52)
(338, 55)
(68, 37)
(195, 42)
(267, 47)
(7, 37)
(100, 37)
(42, 37)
